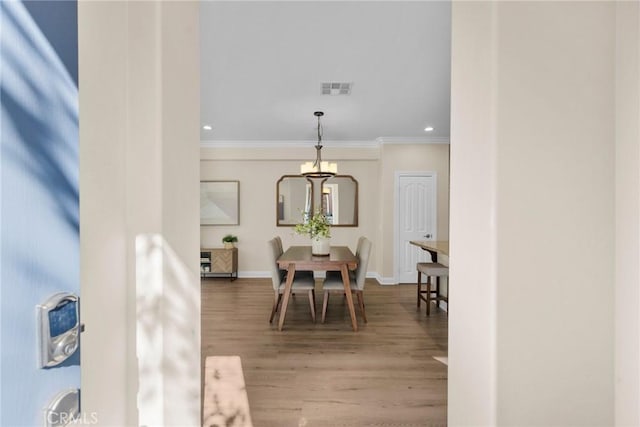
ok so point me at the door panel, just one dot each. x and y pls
(39, 200)
(417, 221)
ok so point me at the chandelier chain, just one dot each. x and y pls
(318, 169)
(319, 145)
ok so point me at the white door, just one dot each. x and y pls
(415, 220)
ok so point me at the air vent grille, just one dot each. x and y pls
(336, 88)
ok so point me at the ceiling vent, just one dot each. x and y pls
(336, 88)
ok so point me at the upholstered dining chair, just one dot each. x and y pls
(334, 283)
(279, 242)
(281, 251)
(302, 281)
(361, 240)
(336, 274)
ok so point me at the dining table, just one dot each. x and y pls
(434, 247)
(340, 258)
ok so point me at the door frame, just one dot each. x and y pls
(396, 214)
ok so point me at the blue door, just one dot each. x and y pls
(39, 215)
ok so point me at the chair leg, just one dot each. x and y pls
(276, 302)
(419, 286)
(361, 303)
(428, 294)
(312, 304)
(325, 300)
(438, 291)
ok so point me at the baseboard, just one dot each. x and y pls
(385, 281)
(254, 274)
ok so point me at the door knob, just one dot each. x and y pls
(428, 236)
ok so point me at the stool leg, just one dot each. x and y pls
(419, 286)
(428, 294)
(448, 304)
(438, 291)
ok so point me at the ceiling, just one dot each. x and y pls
(262, 65)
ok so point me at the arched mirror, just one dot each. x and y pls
(294, 199)
(339, 200)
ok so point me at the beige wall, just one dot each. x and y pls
(410, 158)
(258, 204)
(532, 214)
(374, 169)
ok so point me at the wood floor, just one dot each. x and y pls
(326, 375)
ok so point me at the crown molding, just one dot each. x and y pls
(413, 140)
(287, 144)
(333, 144)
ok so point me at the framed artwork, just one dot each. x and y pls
(219, 202)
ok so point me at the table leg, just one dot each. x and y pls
(291, 271)
(347, 291)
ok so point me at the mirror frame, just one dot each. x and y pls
(278, 224)
(356, 213)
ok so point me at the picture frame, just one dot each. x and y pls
(219, 202)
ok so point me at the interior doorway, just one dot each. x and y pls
(415, 219)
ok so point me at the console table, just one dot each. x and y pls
(215, 262)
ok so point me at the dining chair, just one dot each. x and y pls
(302, 281)
(336, 274)
(279, 242)
(334, 283)
(361, 240)
(431, 269)
(281, 251)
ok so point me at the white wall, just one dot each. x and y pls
(139, 132)
(103, 239)
(627, 303)
(566, 49)
(472, 324)
(532, 214)
(555, 185)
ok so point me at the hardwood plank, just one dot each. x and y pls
(324, 375)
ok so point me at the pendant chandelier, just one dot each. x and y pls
(318, 169)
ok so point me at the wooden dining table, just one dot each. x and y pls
(434, 247)
(340, 258)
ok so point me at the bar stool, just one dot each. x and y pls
(431, 269)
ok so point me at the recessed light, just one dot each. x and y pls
(428, 129)
(207, 127)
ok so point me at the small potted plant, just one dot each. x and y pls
(318, 229)
(229, 241)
